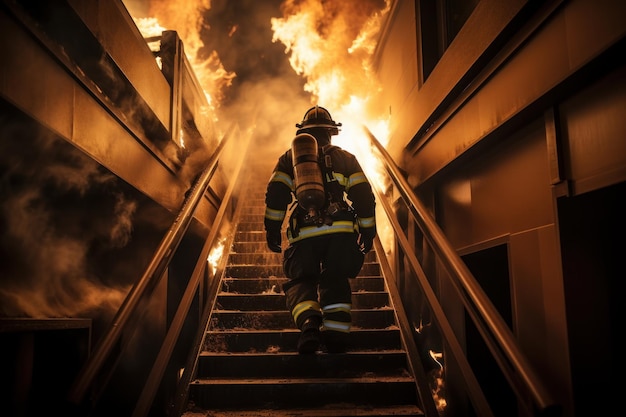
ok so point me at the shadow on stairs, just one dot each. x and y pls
(249, 366)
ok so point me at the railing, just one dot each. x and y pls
(179, 401)
(492, 327)
(496, 334)
(200, 271)
(107, 347)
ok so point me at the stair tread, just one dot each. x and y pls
(339, 410)
(290, 353)
(249, 331)
(354, 310)
(249, 365)
(270, 293)
(291, 330)
(358, 380)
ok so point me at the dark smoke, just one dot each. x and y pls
(266, 95)
(63, 219)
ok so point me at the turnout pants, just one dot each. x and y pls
(319, 269)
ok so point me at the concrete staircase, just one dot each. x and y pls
(249, 365)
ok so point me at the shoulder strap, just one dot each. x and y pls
(334, 190)
(326, 161)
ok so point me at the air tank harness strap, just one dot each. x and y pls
(334, 190)
(294, 228)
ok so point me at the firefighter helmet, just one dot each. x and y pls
(318, 117)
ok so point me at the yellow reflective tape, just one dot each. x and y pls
(272, 214)
(279, 176)
(338, 226)
(341, 179)
(366, 221)
(338, 307)
(339, 326)
(356, 178)
(304, 306)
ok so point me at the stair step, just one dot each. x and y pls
(255, 259)
(253, 286)
(276, 270)
(249, 365)
(260, 256)
(285, 340)
(230, 319)
(332, 410)
(253, 215)
(274, 284)
(245, 246)
(272, 300)
(250, 226)
(250, 236)
(255, 393)
(254, 271)
(293, 365)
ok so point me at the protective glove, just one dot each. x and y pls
(274, 240)
(366, 239)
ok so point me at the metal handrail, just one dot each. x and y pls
(427, 401)
(473, 387)
(153, 273)
(179, 403)
(142, 407)
(464, 281)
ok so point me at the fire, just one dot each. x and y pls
(438, 388)
(186, 18)
(331, 45)
(215, 255)
(151, 30)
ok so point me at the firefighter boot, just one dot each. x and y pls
(310, 337)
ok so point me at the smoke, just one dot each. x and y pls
(284, 56)
(266, 97)
(66, 222)
(263, 64)
(52, 218)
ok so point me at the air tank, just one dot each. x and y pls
(308, 178)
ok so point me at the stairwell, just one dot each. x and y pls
(249, 366)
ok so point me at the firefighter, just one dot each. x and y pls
(328, 234)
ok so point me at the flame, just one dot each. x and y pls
(331, 45)
(215, 255)
(181, 138)
(151, 30)
(186, 18)
(438, 390)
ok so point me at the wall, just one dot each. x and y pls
(522, 113)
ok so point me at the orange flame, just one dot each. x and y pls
(329, 44)
(216, 255)
(185, 17)
(438, 389)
